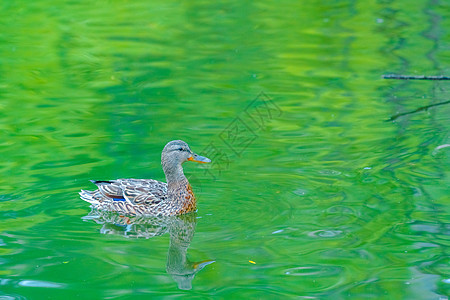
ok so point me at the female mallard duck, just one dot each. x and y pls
(150, 197)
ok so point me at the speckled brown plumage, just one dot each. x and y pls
(150, 197)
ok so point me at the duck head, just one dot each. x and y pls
(173, 155)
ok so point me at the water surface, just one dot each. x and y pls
(312, 192)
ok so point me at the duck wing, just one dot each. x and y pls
(134, 191)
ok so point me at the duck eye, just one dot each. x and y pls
(180, 149)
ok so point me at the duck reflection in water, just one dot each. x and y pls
(181, 229)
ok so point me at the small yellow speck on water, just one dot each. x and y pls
(65, 262)
(252, 262)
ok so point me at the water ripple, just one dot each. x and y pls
(40, 283)
(325, 233)
(316, 271)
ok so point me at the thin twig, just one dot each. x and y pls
(394, 117)
(420, 77)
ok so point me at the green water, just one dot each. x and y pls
(315, 197)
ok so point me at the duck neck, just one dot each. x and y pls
(175, 177)
(179, 192)
(180, 195)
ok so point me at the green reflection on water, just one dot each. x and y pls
(328, 199)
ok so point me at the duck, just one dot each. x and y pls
(149, 197)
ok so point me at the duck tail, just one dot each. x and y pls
(100, 182)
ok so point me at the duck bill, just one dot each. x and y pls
(199, 159)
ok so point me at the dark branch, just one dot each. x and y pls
(394, 117)
(420, 77)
